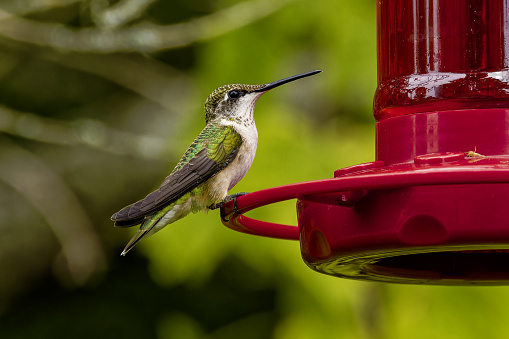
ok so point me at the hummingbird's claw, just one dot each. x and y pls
(227, 199)
(215, 206)
(234, 198)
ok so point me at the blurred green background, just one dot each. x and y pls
(98, 101)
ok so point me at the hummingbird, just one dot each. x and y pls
(214, 163)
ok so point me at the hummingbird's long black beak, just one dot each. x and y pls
(275, 84)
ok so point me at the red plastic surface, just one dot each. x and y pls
(432, 208)
(348, 190)
(367, 224)
(441, 55)
(402, 138)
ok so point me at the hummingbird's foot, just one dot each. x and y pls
(234, 198)
(227, 199)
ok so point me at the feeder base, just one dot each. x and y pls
(482, 266)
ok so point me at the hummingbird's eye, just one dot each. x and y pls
(234, 94)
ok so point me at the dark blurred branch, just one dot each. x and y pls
(33, 179)
(143, 75)
(22, 7)
(88, 132)
(144, 37)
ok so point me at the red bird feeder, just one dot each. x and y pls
(432, 208)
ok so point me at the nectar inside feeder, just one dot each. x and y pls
(432, 208)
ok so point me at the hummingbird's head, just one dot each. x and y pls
(232, 102)
(237, 102)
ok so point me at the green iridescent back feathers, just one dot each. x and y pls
(220, 142)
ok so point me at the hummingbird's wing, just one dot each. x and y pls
(213, 149)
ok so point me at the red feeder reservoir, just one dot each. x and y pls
(432, 208)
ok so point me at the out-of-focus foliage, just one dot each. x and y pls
(99, 99)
